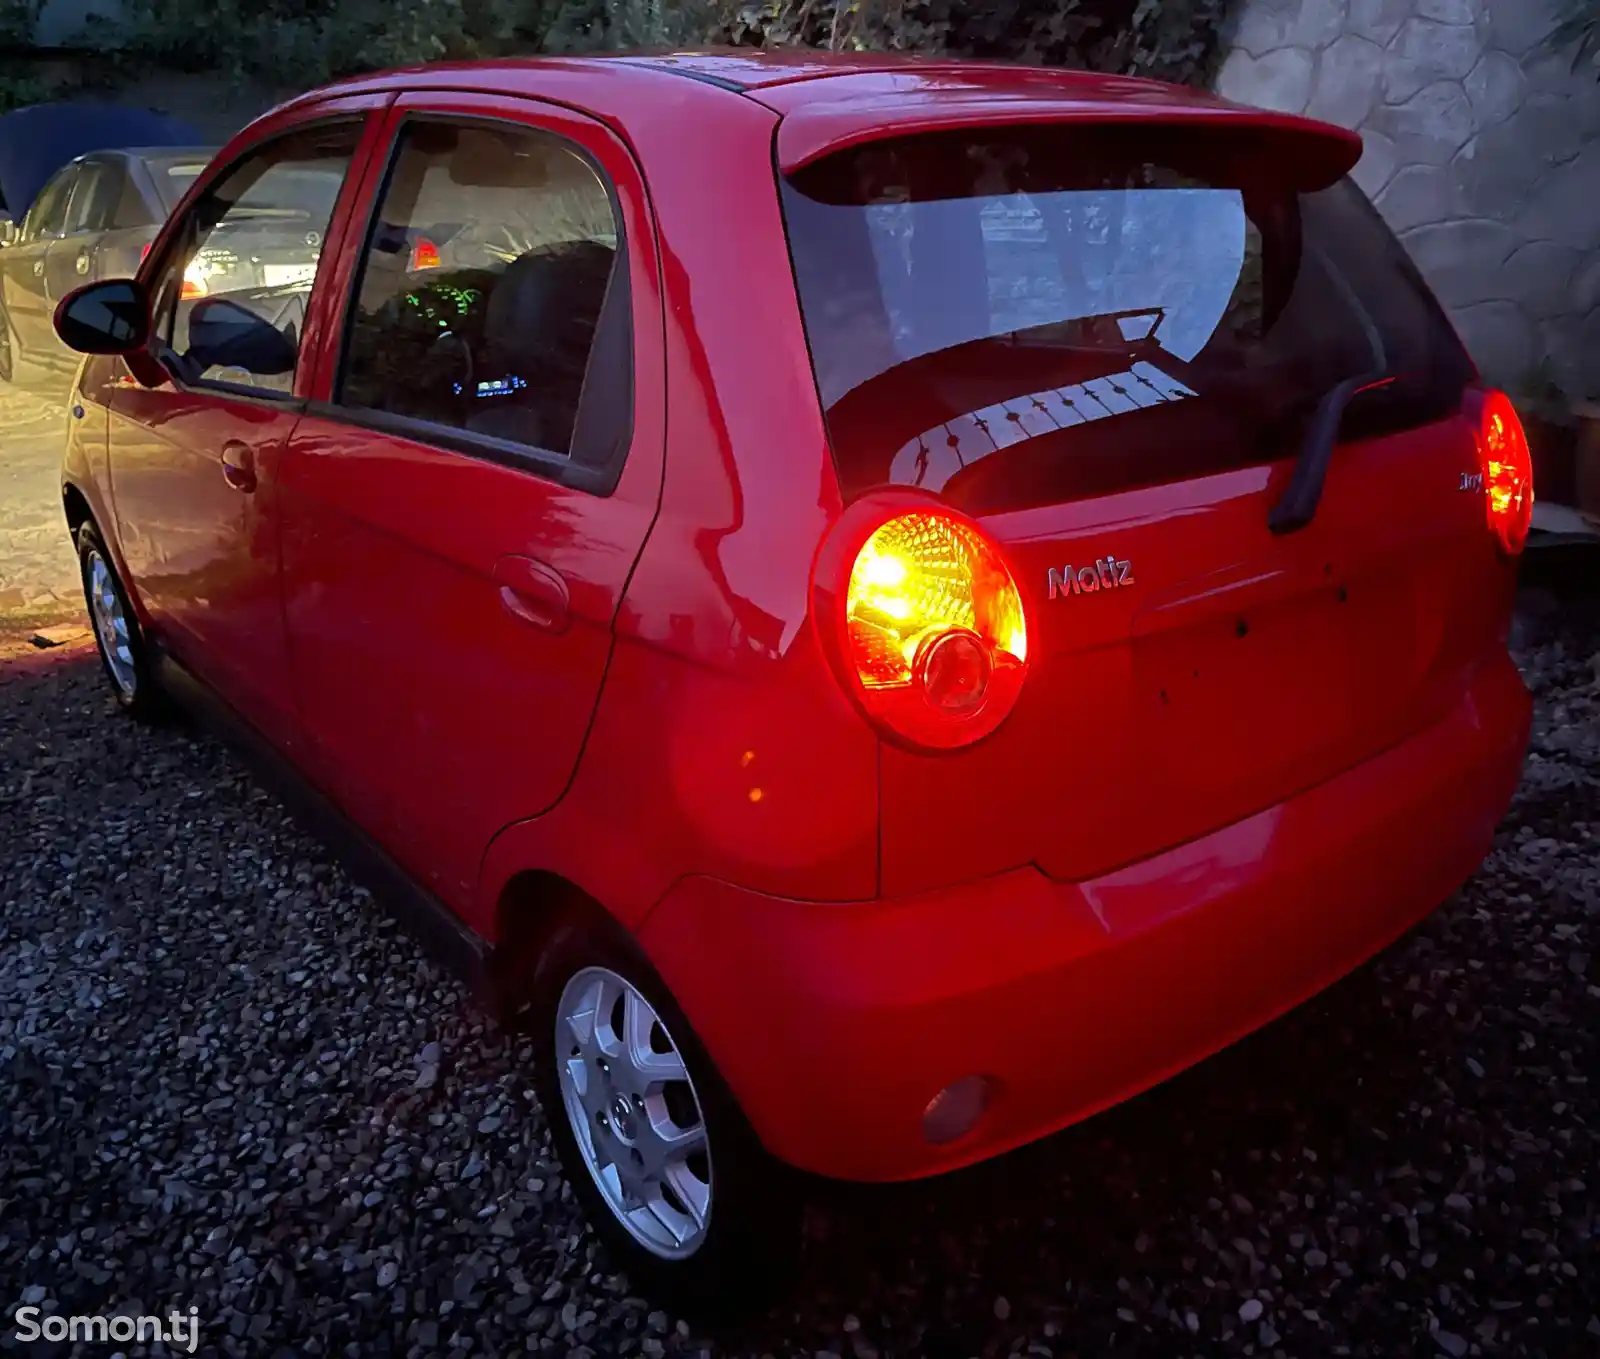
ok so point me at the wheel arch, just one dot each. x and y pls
(531, 906)
(75, 504)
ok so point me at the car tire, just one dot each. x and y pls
(748, 1245)
(120, 641)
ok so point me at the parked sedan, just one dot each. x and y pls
(85, 187)
(882, 607)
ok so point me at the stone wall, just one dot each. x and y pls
(1483, 152)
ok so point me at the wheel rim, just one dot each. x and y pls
(111, 625)
(634, 1112)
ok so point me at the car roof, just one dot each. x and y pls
(755, 70)
(832, 100)
(200, 153)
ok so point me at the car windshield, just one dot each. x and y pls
(1036, 315)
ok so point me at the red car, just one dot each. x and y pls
(888, 605)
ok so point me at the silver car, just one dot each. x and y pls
(94, 219)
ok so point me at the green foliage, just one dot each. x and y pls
(18, 19)
(19, 89)
(1171, 39)
(18, 84)
(1579, 33)
(308, 41)
(593, 26)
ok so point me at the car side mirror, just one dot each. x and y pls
(112, 317)
(223, 334)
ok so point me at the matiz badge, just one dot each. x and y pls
(1106, 574)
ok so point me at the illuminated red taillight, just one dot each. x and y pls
(143, 251)
(424, 255)
(923, 622)
(1507, 468)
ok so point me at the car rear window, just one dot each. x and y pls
(173, 178)
(1042, 314)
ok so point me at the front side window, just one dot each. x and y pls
(1034, 315)
(230, 304)
(492, 296)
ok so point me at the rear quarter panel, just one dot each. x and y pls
(721, 746)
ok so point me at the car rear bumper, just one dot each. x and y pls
(835, 1025)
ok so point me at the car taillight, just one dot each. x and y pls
(424, 255)
(1507, 468)
(923, 622)
(191, 286)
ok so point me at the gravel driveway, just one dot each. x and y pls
(231, 1084)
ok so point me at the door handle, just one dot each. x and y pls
(239, 466)
(533, 593)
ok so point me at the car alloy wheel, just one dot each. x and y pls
(110, 621)
(634, 1112)
(117, 635)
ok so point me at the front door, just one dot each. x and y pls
(460, 517)
(30, 337)
(195, 458)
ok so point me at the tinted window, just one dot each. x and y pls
(93, 196)
(254, 239)
(48, 215)
(1041, 315)
(490, 301)
(173, 176)
(131, 209)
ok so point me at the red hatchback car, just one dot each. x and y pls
(888, 605)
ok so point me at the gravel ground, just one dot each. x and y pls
(233, 1085)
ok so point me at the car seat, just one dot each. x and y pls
(539, 328)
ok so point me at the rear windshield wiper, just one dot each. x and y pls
(1298, 507)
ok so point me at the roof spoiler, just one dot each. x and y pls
(1315, 154)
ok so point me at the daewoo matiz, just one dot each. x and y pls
(887, 606)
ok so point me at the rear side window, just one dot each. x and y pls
(491, 306)
(1046, 314)
(131, 209)
(93, 196)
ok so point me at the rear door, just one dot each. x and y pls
(463, 507)
(135, 216)
(69, 262)
(1107, 345)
